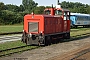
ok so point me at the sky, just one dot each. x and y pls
(43, 2)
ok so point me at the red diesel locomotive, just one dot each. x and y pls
(46, 29)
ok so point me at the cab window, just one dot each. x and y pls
(66, 15)
(58, 12)
(47, 12)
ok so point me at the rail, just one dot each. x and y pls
(80, 53)
(10, 33)
(2, 52)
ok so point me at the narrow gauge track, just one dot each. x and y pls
(10, 33)
(81, 53)
(18, 49)
(11, 50)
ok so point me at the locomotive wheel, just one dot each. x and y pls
(26, 41)
(47, 41)
(54, 40)
(23, 37)
(68, 35)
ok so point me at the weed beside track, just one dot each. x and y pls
(16, 50)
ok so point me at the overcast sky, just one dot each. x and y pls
(43, 2)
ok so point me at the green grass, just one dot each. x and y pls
(11, 28)
(79, 31)
(9, 45)
(13, 44)
(74, 29)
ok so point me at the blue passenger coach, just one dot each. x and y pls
(78, 19)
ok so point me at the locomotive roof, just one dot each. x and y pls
(58, 9)
(65, 9)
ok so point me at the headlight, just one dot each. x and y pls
(41, 31)
(23, 30)
(30, 35)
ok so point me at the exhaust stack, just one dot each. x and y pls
(52, 10)
(57, 2)
(58, 5)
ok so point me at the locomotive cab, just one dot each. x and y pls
(60, 12)
(64, 13)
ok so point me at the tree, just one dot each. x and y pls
(76, 7)
(13, 8)
(9, 17)
(48, 6)
(21, 8)
(1, 5)
(29, 4)
(39, 10)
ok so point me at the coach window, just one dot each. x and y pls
(78, 18)
(88, 18)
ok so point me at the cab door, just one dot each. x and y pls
(66, 21)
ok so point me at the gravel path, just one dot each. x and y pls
(8, 38)
(47, 52)
(82, 53)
